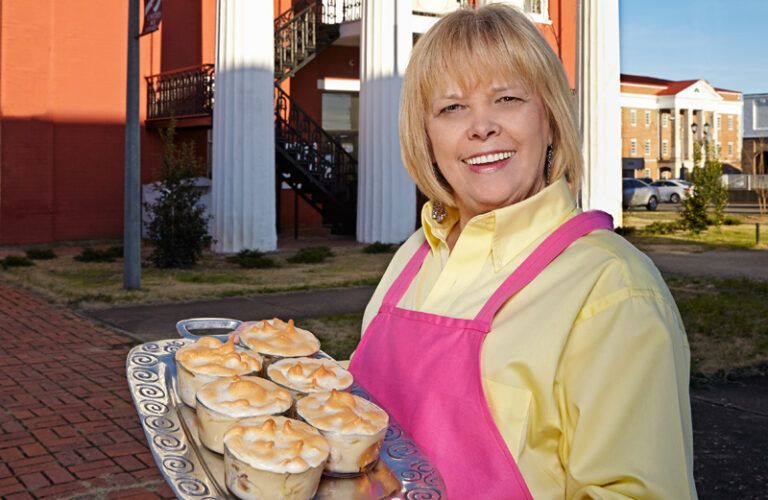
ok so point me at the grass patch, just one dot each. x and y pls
(93, 285)
(15, 261)
(90, 254)
(653, 229)
(726, 321)
(253, 259)
(40, 253)
(379, 247)
(311, 255)
(338, 334)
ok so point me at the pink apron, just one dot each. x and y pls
(424, 369)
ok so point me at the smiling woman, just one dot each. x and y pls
(527, 348)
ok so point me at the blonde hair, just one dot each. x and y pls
(467, 46)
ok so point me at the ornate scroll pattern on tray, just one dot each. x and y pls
(151, 375)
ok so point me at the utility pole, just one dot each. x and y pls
(132, 184)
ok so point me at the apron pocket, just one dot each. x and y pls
(510, 409)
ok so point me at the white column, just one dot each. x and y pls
(689, 138)
(386, 206)
(676, 123)
(600, 114)
(243, 189)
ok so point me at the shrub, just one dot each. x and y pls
(379, 247)
(730, 220)
(311, 255)
(253, 259)
(662, 228)
(179, 227)
(90, 254)
(15, 261)
(40, 253)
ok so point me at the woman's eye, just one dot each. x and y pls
(451, 108)
(509, 98)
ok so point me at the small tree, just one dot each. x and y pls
(179, 227)
(708, 190)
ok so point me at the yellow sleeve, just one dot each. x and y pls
(623, 395)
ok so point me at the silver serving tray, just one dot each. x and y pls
(193, 471)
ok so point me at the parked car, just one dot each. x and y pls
(673, 191)
(636, 193)
(647, 180)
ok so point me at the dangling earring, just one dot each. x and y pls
(438, 212)
(548, 164)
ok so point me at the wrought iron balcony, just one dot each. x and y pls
(183, 93)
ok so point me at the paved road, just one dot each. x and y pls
(752, 264)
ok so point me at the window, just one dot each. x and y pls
(665, 120)
(647, 118)
(647, 147)
(536, 7)
(633, 117)
(760, 114)
(719, 121)
(633, 147)
(730, 149)
(340, 118)
(730, 122)
(664, 148)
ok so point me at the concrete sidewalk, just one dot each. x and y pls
(155, 322)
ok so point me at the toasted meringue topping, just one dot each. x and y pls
(211, 357)
(342, 412)
(278, 338)
(309, 374)
(240, 397)
(277, 444)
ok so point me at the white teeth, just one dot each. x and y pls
(479, 160)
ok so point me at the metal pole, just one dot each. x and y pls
(132, 185)
(757, 233)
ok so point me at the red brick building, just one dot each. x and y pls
(62, 101)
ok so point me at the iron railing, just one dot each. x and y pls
(324, 158)
(181, 93)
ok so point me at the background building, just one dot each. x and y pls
(755, 149)
(301, 133)
(656, 124)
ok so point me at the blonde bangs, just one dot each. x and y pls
(472, 46)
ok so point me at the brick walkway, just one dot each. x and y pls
(67, 425)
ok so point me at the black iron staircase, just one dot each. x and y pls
(309, 160)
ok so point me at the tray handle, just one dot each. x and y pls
(185, 327)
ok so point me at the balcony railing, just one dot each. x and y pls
(185, 92)
(344, 11)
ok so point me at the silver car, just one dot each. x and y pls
(636, 193)
(673, 190)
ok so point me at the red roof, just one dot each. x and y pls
(666, 87)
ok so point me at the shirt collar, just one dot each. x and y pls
(509, 229)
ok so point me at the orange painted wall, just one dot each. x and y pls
(561, 34)
(62, 110)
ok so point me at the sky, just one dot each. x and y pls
(722, 41)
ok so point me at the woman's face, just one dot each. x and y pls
(489, 143)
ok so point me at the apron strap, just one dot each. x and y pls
(401, 284)
(546, 252)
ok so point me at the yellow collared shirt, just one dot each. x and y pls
(586, 369)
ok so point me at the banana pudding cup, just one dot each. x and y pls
(353, 426)
(304, 376)
(275, 339)
(222, 403)
(209, 359)
(274, 457)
